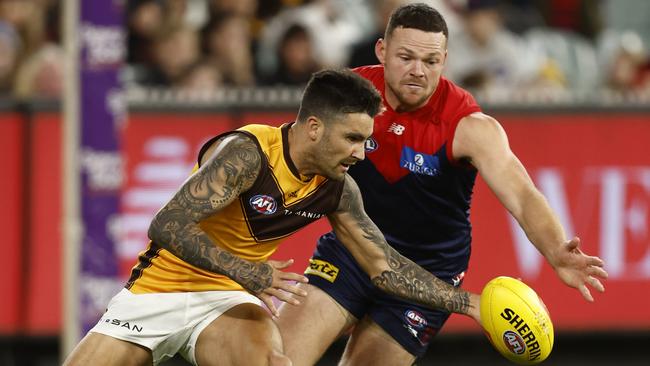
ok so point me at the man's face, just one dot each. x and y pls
(342, 144)
(413, 61)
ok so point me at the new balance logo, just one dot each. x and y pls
(458, 279)
(396, 128)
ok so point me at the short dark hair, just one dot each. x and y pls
(332, 92)
(417, 16)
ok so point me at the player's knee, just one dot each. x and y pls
(265, 349)
(278, 359)
(269, 353)
(268, 358)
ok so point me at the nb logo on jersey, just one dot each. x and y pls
(458, 279)
(396, 128)
(263, 204)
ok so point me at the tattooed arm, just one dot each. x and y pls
(228, 168)
(389, 270)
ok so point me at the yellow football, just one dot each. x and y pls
(516, 321)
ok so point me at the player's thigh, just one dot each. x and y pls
(308, 329)
(243, 335)
(101, 350)
(369, 344)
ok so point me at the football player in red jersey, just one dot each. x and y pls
(416, 183)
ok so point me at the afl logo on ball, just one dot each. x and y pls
(263, 204)
(415, 318)
(371, 145)
(514, 342)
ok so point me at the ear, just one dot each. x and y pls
(314, 128)
(380, 50)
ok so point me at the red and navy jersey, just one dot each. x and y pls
(412, 187)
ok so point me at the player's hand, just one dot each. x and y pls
(578, 270)
(281, 287)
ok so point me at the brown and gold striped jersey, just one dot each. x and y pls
(278, 204)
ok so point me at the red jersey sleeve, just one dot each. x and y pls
(458, 103)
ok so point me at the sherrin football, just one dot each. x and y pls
(516, 321)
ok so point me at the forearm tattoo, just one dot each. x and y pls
(404, 278)
(231, 171)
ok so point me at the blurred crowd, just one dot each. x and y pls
(206, 45)
(31, 57)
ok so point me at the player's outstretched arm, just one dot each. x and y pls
(389, 270)
(229, 168)
(481, 140)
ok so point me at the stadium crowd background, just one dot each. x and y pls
(207, 45)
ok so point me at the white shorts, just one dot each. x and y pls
(166, 323)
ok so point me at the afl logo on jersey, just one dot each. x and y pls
(263, 204)
(415, 319)
(371, 145)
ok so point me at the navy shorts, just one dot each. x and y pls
(333, 269)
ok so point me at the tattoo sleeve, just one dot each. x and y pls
(232, 169)
(402, 278)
